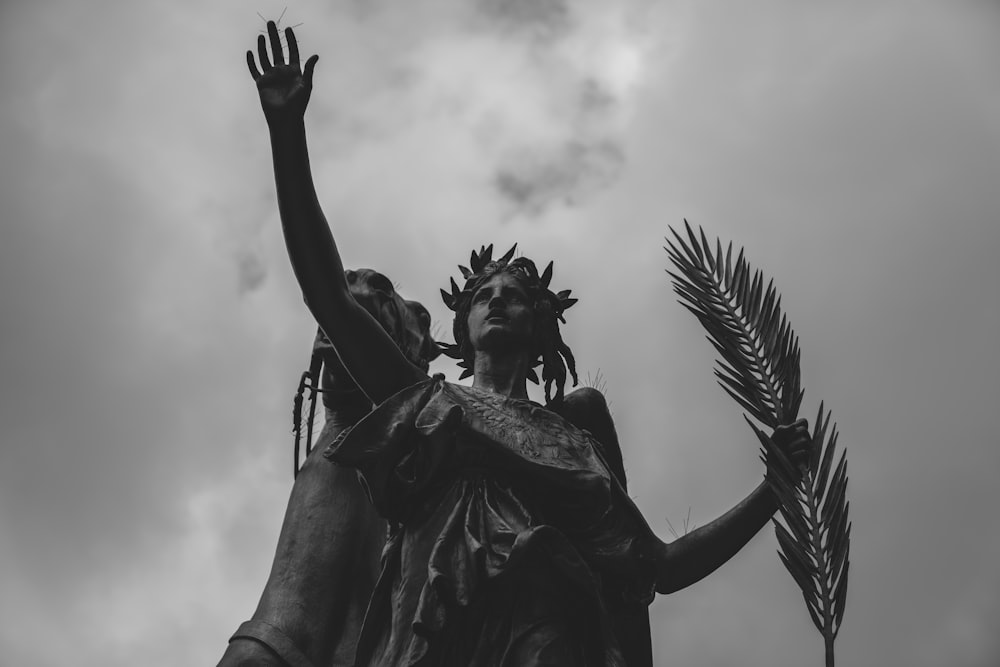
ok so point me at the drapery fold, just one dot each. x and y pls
(510, 540)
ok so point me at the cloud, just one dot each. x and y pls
(152, 333)
(251, 271)
(567, 175)
(132, 477)
(544, 20)
(124, 352)
(538, 94)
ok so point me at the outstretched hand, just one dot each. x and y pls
(284, 88)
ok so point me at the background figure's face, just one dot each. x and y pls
(407, 322)
(501, 316)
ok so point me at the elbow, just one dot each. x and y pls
(667, 569)
(666, 586)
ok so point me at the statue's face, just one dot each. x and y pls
(501, 315)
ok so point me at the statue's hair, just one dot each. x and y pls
(547, 346)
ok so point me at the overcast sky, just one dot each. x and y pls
(152, 335)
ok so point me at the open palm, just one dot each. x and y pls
(284, 88)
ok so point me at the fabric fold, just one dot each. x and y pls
(508, 533)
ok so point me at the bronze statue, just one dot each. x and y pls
(327, 557)
(512, 539)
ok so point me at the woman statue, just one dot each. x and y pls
(512, 539)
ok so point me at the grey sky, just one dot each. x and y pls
(152, 334)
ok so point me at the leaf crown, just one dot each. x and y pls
(548, 348)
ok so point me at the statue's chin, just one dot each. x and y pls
(502, 342)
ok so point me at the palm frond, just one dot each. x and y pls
(759, 365)
(815, 539)
(759, 368)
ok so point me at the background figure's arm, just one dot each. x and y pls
(369, 355)
(697, 554)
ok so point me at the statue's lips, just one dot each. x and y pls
(496, 316)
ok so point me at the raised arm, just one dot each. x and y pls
(368, 354)
(697, 554)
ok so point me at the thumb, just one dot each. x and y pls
(308, 70)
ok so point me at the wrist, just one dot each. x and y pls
(767, 497)
(285, 123)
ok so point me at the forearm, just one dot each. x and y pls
(311, 247)
(700, 552)
(368, 353)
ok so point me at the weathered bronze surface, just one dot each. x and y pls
(327, 557)
(511, 537)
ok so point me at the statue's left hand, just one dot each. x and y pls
(794, 442)
(284, 88)
(697, 554)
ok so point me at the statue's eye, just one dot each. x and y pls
(515, 296)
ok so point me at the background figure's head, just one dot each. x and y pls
(407, 322)
(544, 345)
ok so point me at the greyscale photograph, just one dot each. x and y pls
(499, 333)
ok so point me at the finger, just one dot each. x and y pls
(797, 429)
(276, 49)
(308, 72)
(293, 47)
(265, 63)
(801, 445)
(254, 72)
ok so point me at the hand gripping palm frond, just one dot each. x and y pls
(759, 368)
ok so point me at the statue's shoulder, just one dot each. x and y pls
(587, 409)
(587, 398)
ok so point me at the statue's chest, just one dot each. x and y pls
(522, 428)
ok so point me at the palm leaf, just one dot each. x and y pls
(815, 548)
(759, 368)
(759, 365)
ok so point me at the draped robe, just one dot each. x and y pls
(511, 543)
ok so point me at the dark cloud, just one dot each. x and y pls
(251, 272)
(145, 402)
(116, 379)
(538, 19)
(533, 182)
(538, 93)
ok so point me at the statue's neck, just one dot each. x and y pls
(501, 373)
